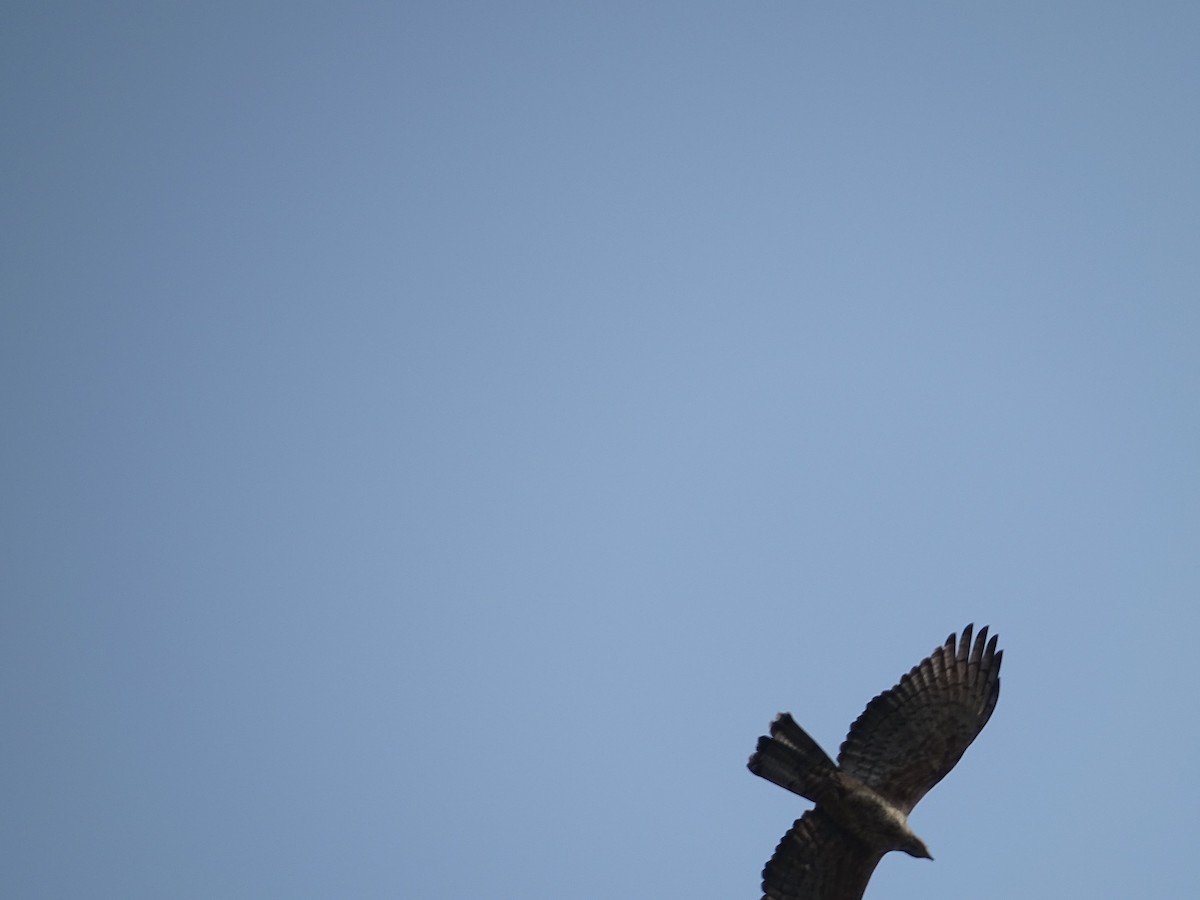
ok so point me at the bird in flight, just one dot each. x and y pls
(906, 741)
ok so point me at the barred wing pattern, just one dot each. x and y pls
(816, 858)
(909, 737)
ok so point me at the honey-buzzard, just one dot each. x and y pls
(904, 743)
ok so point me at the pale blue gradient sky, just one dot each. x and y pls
(439, 437)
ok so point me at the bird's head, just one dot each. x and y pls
(914, 846)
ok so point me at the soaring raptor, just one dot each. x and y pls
(904, 743)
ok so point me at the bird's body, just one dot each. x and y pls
(903, 744)
(875, 821)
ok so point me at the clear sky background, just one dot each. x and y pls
(439, 437)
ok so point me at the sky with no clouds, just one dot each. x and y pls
(438, 438)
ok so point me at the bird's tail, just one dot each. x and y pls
(792, 759)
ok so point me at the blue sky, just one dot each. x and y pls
(440, 437)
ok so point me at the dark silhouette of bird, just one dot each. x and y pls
(906, 741)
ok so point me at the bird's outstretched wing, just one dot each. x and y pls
(909, 737)
(817, 860)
